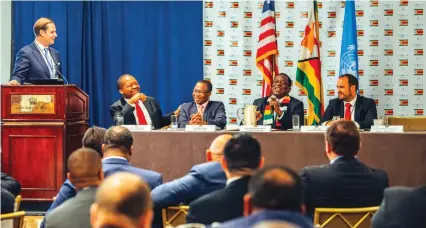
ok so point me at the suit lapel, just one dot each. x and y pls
(341, 108)
(37, 54)
(192, 109)
(358, 108)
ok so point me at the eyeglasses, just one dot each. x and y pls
(199, 91)
(278, 82)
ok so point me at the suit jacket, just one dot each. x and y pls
(402, 207)
(295, 107)
(115, 165)
(365, 111)
(30, 64)
(201, 179)
(214, 113)
(10, 184)
(219, 206)
(126, 110)
(74, 212)
(7, 201)
(291, 218)
(345, 183)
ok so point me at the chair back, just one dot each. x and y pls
(344, 217)
(17, 204)
(410, 123)
(13, 220)
(175, 215)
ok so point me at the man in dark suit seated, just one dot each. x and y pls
(274, 194)
(37, 60)
(201, 179)
(242, 156)
(279, 108)
(349, 105)
(10, 184)
(122, 200)
(7, 201)
(85, 173)
(202, 111)
(402, 207)
(135, 108)
(346, 182)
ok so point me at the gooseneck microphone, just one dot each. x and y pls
(60, 74)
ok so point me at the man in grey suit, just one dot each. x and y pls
(202, 111)
(85, 173)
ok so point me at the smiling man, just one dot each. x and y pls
(135, 107)
(349, 105)
(277, 110)
(202, 111)
(37, 60)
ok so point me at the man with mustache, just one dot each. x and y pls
(349, 105)
(277, 110)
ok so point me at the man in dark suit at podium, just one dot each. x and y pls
(37, 60)
(349, 105)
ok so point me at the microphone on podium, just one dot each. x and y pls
(59, 73)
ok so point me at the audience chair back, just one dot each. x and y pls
(344, 217)
(13, 220)
(174, 216)
(17, 204)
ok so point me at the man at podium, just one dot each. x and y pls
(37, 60)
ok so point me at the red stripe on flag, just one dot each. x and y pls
(267, 33)
(267, 20)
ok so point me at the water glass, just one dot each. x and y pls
(336, 118)
(173, 120)
(379, 122)
(296, 122)
(119, 120)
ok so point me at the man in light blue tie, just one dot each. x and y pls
(37, 60)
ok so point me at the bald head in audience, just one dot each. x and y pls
(123, 200)
(85, 168)
(274, 188)
(215, 152)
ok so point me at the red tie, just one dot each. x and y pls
(141, 116)
(348, 113)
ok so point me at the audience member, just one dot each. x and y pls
(122, 201)
(7, 201)
(346, 181)
(402, 207)
(85, 173)
(10, 184)
(242, 156)
(274, 194)
(201, 179)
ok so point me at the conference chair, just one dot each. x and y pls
(17, 204)
(174, 215)
(13, 220)
(344, 217)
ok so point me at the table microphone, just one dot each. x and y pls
(271, 98)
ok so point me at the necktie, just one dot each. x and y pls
(49, 62)
(139, 113)
(348, 113)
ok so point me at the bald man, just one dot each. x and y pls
(123, 201)
(135, 107)
(274, 195)
(201, 179)
(85, 173)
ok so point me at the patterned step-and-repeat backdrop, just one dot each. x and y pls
(391, 46)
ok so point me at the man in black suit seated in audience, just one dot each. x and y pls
(242, 156)
(85, 173)
(349, 105)
(10, 184)
(402, 207)
(7, 201)
(346, 182)
(123, 201)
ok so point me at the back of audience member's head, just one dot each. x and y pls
(84, 168)
(215, 151)
(343, 138)
(118, 138)
(122, 200)
(94, 138)
(242, 153)
(274, 188)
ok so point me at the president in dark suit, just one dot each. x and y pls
(202, 111)
(201, 179)
(346, 181)
(242, 156)
(402, 207)
(135, 107)
(38, 60)
(85, 173)
(279, 108)
(349, 105)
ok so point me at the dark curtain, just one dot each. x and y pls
(160, 43)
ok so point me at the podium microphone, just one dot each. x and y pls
(60, 74)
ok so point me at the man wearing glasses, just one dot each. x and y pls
(277, 110)
(202, 111)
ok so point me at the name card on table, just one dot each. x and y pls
(260, 128)
(200, 128)
(316, 128)
(138, 128)
(388, 129)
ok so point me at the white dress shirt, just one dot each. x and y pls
(144, 110)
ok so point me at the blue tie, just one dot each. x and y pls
(49, 63)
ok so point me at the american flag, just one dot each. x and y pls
(267, 48)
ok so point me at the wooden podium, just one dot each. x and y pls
(41, 127)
